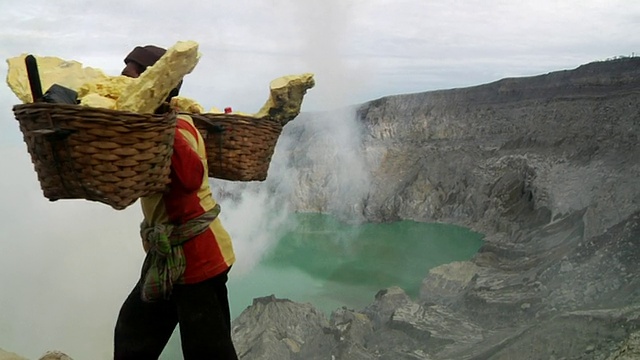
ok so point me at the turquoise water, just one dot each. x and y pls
(331, 264)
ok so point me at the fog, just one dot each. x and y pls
(66, 266)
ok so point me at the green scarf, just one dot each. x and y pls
(165, 262)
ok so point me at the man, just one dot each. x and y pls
(189, 254)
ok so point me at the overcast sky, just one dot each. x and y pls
(53, 254)
(359, 49)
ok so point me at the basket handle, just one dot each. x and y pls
(211, 126)
(214, 128)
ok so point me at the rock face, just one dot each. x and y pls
(49, 355)
(547, 167)
(5, 355)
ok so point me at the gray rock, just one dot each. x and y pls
(274, 328)
(5, 355)
(445, 283)
(49, 355)
(629, 349)
(55, 355)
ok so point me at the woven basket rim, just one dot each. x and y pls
(231, 116)
(78, 107)
(210, 119)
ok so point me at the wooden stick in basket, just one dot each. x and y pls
(34, 78)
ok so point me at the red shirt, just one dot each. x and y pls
(209, 253)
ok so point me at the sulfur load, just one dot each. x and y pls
(53, 70)
(147, 92)
(186, 104)
(286, 94)
(96, 89)
(154, 84)
(103, 93)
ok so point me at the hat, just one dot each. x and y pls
(145, 56)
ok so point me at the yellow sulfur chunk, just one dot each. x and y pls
(286, 95)
(110, 87)
(154, 84)
(145, 93)
(98, 101)
(52, 70)
(185, 104)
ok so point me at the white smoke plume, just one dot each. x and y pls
(66, 266)
(332, 149)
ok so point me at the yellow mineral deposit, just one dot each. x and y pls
(155, 83)
(103, 93)
(96, 89)
(53, 70)
(283, 105)
(186, 105)
(286, 95)
(98, 101)
(111, 87)
(145, 93)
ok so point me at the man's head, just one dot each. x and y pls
(139, 59)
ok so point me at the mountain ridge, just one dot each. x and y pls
(545, 166)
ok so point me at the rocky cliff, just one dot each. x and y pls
(547, 167)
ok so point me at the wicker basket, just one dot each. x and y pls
(239, 147)
(109, 156)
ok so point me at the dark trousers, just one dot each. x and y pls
(202, 310)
